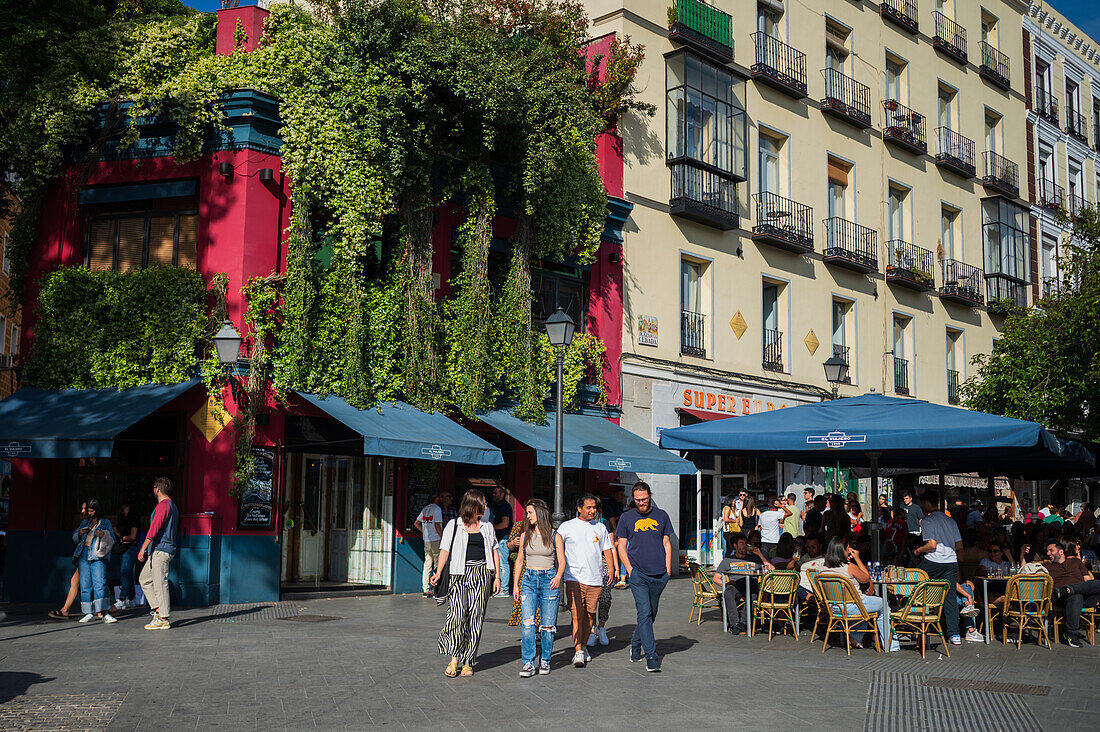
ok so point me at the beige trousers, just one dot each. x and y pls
(154, 582)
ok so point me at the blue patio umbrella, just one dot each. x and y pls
(875, 431)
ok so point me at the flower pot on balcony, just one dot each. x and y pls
(890, 104)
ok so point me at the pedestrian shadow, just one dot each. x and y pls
(15, 683)
(222, 616)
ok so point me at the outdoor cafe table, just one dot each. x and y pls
(985, 603)
(882, 585)
(749, 575)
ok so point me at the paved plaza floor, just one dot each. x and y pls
(353, 663)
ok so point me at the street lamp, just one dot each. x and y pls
(836, 371)
(227, 344)
(559, 328)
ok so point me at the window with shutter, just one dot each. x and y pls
(187, 249)
(137, 234)
(131, 243)
(101, 244)
(162, 240)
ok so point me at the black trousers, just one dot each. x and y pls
(949, 572)
(1081, 595)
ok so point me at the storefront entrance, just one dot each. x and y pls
(339, 520)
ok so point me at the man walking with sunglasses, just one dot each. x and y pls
(645, 548)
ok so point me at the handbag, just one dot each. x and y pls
(443, 579)
(101, 547)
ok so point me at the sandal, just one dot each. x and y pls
(57, 615)
(467, 670)
(452, 669)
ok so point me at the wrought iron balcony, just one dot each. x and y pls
(847, 244)
(902, 13)
(950, 37)
(1005, 294)
(703, 27)
(846, 99)
(1046, 106)
(1077, 125)
(783, 223)
(773, 350)
(1075, 203)
(692, 331)
(1051, 195)
(955, 152)
(962, 283)
(842, 352)
(901, 376)
(1001, 174)
(909, 266)
(952, 386)
(703, 196)
(995, 68)
(904, 127)
(779, 66)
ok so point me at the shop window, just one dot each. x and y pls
(140, 234)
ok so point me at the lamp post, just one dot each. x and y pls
(559, 328)
(836, 371)
(227, 344)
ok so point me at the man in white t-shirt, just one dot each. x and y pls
(771, 524)
(430, 524)
(939, 557)
(586, 545)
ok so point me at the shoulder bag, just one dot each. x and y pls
(101, 547)
(443, 573)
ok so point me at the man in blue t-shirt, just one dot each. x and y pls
(645, 549)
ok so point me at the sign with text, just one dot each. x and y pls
(647, 330)
(728, 402)
(257, 507)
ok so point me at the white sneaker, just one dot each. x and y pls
(604, 640)
(126, 604)
(87, 618)
(587, 656)
(108, 618)
(592, 639)
(974, 636)
(579, 660)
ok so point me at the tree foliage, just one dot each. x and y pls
(1046, 365)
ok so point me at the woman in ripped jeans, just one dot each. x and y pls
(537, 588)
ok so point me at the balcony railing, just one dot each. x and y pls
(901, 376)
(1051, 195)
(1075, 202)
(842, 352)
(779, 66)
(1046, 106)
(1077, 125)
(783, 223)
(909, 266)
(1001, 174)
(1006, 295)
(955, 152)
(952, 386)
(850, 245)
(773, 350)
(703, 27)
(994, 68)
(1050, 287)
(846, 99)
(903, 13)
(962, 283)
(703, 196)
(692, 330)
(904, 127)
(950, 37)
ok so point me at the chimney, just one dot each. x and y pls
(239, 27)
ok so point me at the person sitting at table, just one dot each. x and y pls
(732, 594)
(784, 551)
(968, 610)
(1074, 588)
(843, 561)
(812, 559)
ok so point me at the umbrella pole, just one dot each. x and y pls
(699, 514)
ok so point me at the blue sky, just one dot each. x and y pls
(1085, 14)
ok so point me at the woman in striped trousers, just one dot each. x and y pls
(471, 554)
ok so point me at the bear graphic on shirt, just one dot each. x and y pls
(645, 524)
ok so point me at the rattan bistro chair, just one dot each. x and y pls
(923, 611)
(775, 600)
(1089, 616)
(834, 595)
(1027, 606)
(707, 594)
(907, 574)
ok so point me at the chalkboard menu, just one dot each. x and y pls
(257, 509)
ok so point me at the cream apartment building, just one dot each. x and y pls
(1063, 132)
(822, 177)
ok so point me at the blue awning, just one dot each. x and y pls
(590, 442)
(76, 423)
(401, 430)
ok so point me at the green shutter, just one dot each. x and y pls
(707, 20)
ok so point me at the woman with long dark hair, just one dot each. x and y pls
(89, 538)
(749, 515)
(842, 560)
(468, 547)
(835, 521)
(539, 588)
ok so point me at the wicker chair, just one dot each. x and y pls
(1027, 605)
(812, 605)
(1089, 616)
(923, 611)
(907, 574)
(775, 600)
(834, 595)
(707, 594)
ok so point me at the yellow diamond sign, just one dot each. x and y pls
(811, 342)
(737, 322)
(211, 419)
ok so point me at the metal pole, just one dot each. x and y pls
(559, 514)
